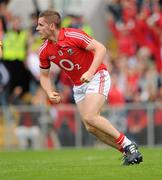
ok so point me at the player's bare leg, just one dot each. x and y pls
(89, 109)
(105, 138)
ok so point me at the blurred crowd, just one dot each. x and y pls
(135, 60)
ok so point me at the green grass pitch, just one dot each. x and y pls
(78, 164)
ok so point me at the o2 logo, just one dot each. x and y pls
(68, 65)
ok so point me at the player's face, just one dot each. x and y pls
(43, 28)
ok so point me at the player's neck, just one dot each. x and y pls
(55, 35)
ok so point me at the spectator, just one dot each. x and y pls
(14, 56)
(28, 130)
(77, 21)
(116, 96)
(115, 8)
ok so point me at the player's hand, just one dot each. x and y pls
(86, 77)
(54, 97)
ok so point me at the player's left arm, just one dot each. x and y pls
(99, 51)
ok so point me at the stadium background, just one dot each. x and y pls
(132, 32)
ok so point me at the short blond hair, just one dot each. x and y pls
(52, 17)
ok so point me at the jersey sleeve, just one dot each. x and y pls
(78, 38)
(44, 62)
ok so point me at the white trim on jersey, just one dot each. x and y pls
(80, 36)
(43, 46)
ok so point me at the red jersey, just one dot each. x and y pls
(69, 53)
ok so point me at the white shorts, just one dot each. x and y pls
(100, 84)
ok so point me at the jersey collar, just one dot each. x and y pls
(61, 34)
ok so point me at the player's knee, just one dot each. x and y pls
(90, 129)
(89, 119)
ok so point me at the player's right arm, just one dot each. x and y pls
(45, 79)
(47, 85)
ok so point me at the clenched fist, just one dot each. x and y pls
(54, 97)
(86, 77)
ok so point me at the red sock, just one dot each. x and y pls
(121, 149)
(120, 139)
